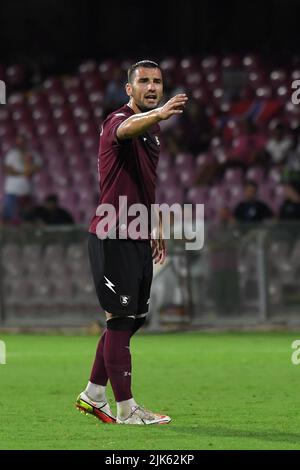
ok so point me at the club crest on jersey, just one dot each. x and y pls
(157, 140)
(125, 299)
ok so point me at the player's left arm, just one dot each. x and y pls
(158, 243)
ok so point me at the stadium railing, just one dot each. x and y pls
(245, 275)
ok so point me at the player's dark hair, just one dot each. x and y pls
(148, 64)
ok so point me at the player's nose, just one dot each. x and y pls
(151, 86)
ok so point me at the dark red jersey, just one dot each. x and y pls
(127, 167)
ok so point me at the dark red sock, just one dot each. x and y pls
(99, 375)
(117, 357)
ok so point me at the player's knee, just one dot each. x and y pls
(120, 323)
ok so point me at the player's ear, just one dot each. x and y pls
(128, 89)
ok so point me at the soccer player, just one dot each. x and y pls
(122, 268)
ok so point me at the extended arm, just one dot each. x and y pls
(158, 242)
(141, 122)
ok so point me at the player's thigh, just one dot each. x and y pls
(96, 258)
(146, 282)
(116, 270)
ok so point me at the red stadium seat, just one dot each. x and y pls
(278, 76)
(88, 67)
(251, 62)
(210, 64)
(53, 85)
(197, 195)
(56, 99)
(256, 174)
(4, 115)
(187, 177)
(233, 176)
(71, 84)
(15, 75)
(231, 62)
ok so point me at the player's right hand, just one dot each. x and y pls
(174, 106)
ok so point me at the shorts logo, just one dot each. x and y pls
(110, 285)
(125, 299)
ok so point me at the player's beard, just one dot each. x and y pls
(144, 108)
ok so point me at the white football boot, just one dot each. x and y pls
(139, 415)
(100, 410)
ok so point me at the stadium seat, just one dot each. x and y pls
(256, 174)
(184, 161)
(251, 62)
(18, 291)
(197, 195)
(173, 194)
(231, 62)
(168, 177)
(233, 176)
(236, 195)
(15, 75)
(187, 177)
(209, 64)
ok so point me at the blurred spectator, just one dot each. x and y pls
(193, 123)
(290, 209)
(252, 209)
(20, 164)
(291, 170)
(278, 145)
(225, 217)
(248, 147)
(115, 94)
(50, 213)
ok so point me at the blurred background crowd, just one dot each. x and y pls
(64, 67)
(236, 147)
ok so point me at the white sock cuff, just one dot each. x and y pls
(124, 408)
(95, 392)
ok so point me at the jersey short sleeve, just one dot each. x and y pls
(110, 127)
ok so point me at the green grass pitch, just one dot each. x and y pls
(223, 391)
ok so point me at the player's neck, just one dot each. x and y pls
(133, 106)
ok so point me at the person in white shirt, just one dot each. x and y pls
(20, 164)
(278, 145)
